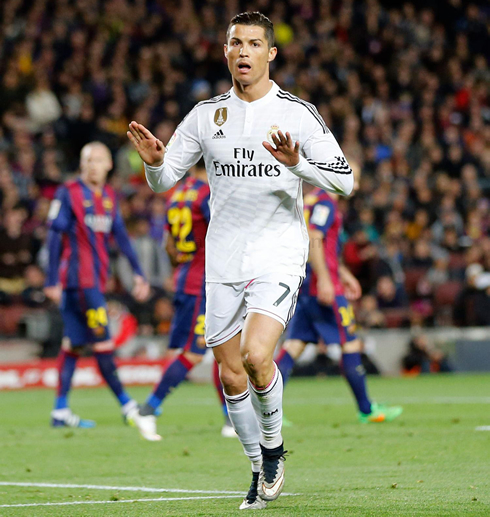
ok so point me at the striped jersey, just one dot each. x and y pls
(187, 221)
(257, 224)
(81, 224)
(322, 213)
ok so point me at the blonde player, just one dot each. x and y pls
(258, 143)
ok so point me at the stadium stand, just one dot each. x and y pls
(404, 86)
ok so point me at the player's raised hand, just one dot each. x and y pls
(285, 151)
(141, 289)
(148, 146)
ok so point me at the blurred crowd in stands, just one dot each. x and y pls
(404, 86)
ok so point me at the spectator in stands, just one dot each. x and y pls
(405, 86)
(438, 274)
(154, 262)
(369, 315)
(15, 252)
(359, 256)
(472, 306)
(422, 254)
(33, 294)
(388, 295)
(42, 104)
(421, 358)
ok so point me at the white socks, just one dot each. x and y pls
(244, 421)
(267, 403)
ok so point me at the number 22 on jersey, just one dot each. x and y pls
(180, 220)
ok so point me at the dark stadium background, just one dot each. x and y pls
(404, 86)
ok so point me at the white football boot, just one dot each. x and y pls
(146, 424)
(252, 500)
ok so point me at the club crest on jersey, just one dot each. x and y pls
(220, 116)
(172, 140)
(272, 131)
(108, 204)
(86, 203)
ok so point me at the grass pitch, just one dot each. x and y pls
(429, 462)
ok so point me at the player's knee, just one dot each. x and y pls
(68, 348)
(195, 359)
(104, 346)
(255, 361)
(294, 347)
(234, 381)
(352, 347)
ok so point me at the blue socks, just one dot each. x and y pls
(355, 374)
(173, 376)
(285, 363)
(66, 369)
(351, 368)
(108, 370)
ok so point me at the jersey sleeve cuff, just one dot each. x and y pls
(299, 166)
(151, 169)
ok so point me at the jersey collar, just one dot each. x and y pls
(266, 98)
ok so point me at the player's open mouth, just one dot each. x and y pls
(244, 67)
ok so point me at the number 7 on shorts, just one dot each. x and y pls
(283, 295)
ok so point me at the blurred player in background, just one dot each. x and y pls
(83, 217)
(187, 221)
(258, 143)
(324, 311)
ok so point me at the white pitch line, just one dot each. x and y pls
(228, 493)
(121, 488)
(344, 401)
(159, 499)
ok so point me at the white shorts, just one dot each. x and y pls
(227, 305)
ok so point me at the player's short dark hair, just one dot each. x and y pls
(253, 18)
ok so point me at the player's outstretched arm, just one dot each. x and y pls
(150, 148)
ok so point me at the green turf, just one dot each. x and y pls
(429, 462)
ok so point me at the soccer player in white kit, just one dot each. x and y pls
(258, 143)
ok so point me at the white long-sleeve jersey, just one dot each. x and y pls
(257, 225)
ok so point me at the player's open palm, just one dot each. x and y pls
(285, 152)
(149, 147)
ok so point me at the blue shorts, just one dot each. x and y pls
(187, 330)
(313, 321)
(84, 314)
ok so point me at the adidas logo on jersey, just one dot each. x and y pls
(219, 134)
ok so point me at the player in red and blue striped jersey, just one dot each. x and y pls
(187, 222)
(324, 311)
(82, 220)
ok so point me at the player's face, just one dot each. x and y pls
(95, 163)
(248, 54)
